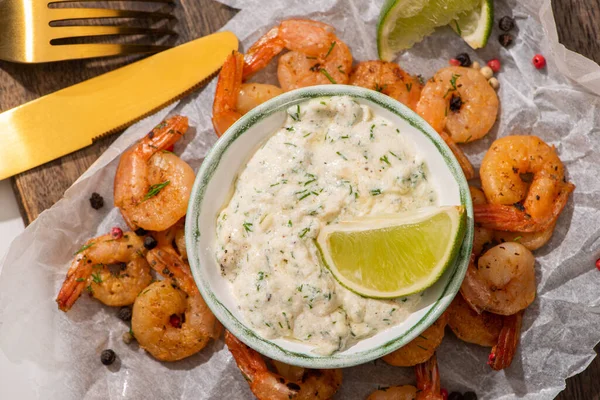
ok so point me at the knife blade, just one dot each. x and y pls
(70, 119)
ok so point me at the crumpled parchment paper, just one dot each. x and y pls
(47, 354)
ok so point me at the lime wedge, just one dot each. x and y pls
(393, 255)
(402, 23)
(475, 26)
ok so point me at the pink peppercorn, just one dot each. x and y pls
(116, 233)
(175, 320)
(494, 65)
(454, 62)
(598, 264)
(539, 61)
(444, 393)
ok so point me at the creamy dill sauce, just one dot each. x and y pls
(333, 160)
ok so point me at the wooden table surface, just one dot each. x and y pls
(40, 188)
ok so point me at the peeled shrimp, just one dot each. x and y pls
(267, 385)
(531, 240)
(90, 270)
(170, 320)
(428, 385)
(481, 329)
(421, 348)
(460, 101)
(234, 98)
(486, 329)
(483, 236)
(503, 170)
(173, 237)
(388, 78)
(152, 187)
(317, 55)
(502, 281)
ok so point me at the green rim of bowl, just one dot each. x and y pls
(210, 165)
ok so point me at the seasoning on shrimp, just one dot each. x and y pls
(421, 348)
(153, 323)
(266, 385)
(428, 385)
(316, 57)
(152, 187)
(234, 98)
(502, 281)
(478, 104)
(90, 271)
(387, 78)
(516, 205)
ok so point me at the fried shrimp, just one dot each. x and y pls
(90, 270)
(486, 329)
(502, 281)
(460, 101)
(428, 385)
(234, 98)
(173, 237)
(316, 57)
(170, 320)
(421, 348)
(152, 187)
(389, 79)
(481, 329)
(518, 204)
(267, 385)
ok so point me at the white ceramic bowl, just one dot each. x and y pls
(213, 189)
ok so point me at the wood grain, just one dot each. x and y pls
(39, 188)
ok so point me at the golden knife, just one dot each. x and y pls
(70, 119)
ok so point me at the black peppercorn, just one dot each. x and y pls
(108, 357)
(469, 396)
(455, 396)
(96, 201)
(124, 313)
(506, 23)
(150, 242)
(455, 103)
(506, 39)
(464, 60)
(141, 231)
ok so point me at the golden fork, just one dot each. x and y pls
(26, 35)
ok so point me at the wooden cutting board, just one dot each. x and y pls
(39, 188)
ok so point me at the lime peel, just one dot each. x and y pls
(402, 23)
(475, 26)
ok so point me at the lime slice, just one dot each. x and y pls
(393, 255)
(402, 23)
(475, 26)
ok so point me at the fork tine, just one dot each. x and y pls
(61, 14)
(63, 32)
(77, 51)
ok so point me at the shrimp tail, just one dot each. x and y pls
(169, 264)
(163, 136)
(262, 52)
(247, 360)
(428, 380)
(504, 351)
(226, 94)
(461, 157)
(74, 284)
(515, 219)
